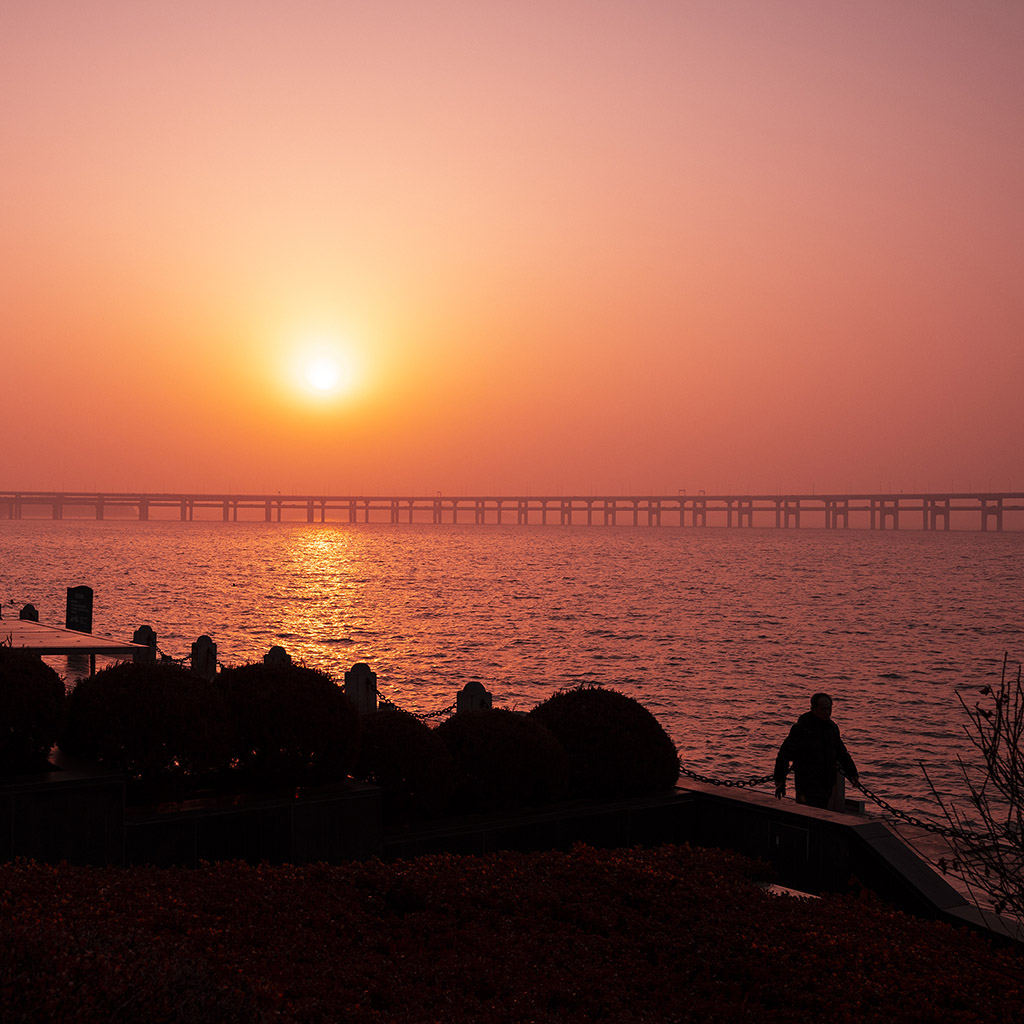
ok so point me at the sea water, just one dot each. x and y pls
(722, 633)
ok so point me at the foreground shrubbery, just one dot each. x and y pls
(504, 760)
(156, 722)
(616, 747)
(290, 724)
(31, 710)
(408, 761)
(671, 934)
(272, 725)
(172, 733)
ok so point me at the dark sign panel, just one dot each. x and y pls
(79, 613)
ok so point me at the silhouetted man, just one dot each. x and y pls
(816, 750)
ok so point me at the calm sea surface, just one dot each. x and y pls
(722, 633)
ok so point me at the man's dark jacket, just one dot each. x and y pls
(815, 748)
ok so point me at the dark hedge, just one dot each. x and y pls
(32, 705)
(406, 758)
(291, 725)
(616, 747)
(504, 760)
(154, 721)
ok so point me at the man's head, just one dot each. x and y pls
(821, 706)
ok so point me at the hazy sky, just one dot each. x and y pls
(555, 247)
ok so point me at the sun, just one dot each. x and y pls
(322, 373)
(322, 368)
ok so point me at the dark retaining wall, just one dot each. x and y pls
(73, 813)
(77, 814)
(819, 851)
(640, 821)
(330, 824)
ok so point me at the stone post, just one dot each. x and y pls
(204, 658)
(361, 688)
(29, 612)
(472, 697)
(144, 635)
(277, 657)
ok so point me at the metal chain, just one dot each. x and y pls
(753, 780)
(385, 699)
(167, 657)
(929, 826)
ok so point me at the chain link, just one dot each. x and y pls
(174, 661)
(929, 826)
(383, 698)
(753, 780)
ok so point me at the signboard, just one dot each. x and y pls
(79, 611)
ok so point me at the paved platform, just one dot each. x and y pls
(939, 851)
(46, 640)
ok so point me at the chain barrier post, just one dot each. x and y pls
(204, 658)
(146, 636)
(361, 688)
(472, 697)
(277, 657)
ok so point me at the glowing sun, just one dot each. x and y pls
(323, 373)
(323, 368)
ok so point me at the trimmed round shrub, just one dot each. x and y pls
(503, 759)
(32, 705)
(293, 725)
(156, 722)
(616, 747)
(405, 757)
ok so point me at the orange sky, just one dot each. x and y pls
(560, 247)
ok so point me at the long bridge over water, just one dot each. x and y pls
(881, 511)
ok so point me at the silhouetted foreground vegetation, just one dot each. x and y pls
(31, 710)
(670, 934)
(268, 726)
(992, 859)
(170, 732)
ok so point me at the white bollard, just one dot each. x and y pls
(361, 688)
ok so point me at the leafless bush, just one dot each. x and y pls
(990, 857)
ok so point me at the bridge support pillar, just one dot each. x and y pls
(992, 508)
(935, 510)
(884, 509)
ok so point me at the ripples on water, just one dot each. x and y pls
(722, 633)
